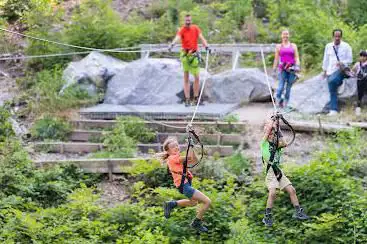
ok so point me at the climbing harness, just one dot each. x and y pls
(191, 145)
(274, 159)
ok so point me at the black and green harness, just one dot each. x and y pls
(274, 149)
(192, 140)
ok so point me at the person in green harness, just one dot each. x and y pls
(271, 149)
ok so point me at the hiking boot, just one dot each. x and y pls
(187, 102)
(195, 101)
(197, 224)
(167, 207)
(300, 214)
(268, 220)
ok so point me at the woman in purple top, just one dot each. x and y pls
(286, 61)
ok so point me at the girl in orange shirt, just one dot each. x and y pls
(175, 164)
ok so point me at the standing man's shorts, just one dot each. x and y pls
(190, 63)
(272, 182)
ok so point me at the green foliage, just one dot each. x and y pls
(238, 164)
(356, 12)
(102, 28)
(43, 93)
(231, 118)
(51, 128)
(136, 129)
(119, 142)
(328, 190)
(43, 20)
(12, 10)
(143, 167)
(6, 128)
(19, 178)
(58, 205)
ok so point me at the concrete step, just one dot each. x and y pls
(83, 147)
(211, 111)
(208, 139)
(222, 126)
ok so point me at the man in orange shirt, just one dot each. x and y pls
(189, 35)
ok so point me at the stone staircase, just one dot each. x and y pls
(219, 138)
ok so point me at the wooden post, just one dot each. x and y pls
(321, 131)
(110, 169)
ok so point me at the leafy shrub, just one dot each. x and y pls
(43, 20)
(102, 28)
(231, 118)
(18, 177)
(238, 164)
(12, 10)
(118, 142)
(6, 128)
(43, 93)
(136, 129)
(326, 189)
(51, 128)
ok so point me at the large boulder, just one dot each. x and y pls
(312, 96)
(147, 81)
(239, 86)
(92, 72)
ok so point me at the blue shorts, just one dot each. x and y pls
(188, 190)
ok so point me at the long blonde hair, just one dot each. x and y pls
(162, 156)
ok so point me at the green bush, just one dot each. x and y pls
(12, 10)
(136, 129)
(6, 128)
(119, 142)
(51, 128)
(42, 92)
(102, 28)
(44, 20)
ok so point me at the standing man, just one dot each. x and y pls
(337, 56)
(189, 35)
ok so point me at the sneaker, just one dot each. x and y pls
(187, 102)
(332, 113)
(268, 220)
(195, 101)
(358, 111)
(288, 109)
(300, 215)
(167, 207)
(197, 224)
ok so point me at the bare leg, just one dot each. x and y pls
(204, 200)
(186, 85)
(196, 86)
(292, 194)
(271, 197)
(186, 203)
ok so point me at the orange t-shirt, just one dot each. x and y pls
(175, 167)
(189, 37)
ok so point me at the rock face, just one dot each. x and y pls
(160, 81)
(312, 95)
(92, 72)
(239, 86)
(147, 81)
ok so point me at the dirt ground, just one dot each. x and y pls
(300, 152)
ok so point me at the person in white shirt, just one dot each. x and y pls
(338, 54)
